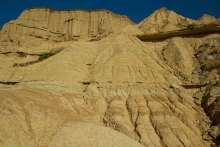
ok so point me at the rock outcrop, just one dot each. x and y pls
(45, 26)
(191, 30)
(65, 25)
(164, 20)
(109, 87)
(207, 18)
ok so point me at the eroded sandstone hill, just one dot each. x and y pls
(65, 25)
(94, 78)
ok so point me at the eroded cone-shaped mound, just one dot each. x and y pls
(118, 82)
(162, 17)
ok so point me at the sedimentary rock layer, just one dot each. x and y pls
(61, 25)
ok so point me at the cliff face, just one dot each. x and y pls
(64, 25)
(60, 86)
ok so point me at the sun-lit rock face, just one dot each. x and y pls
(59, 25)
(37, 29)
(163, 20)
(108, 90)
(206, 18)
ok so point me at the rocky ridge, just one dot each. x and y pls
(59, 25)
(109, 88)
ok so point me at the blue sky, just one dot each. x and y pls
(136, 10)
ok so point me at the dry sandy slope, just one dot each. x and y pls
(119, 82)
(111, 89)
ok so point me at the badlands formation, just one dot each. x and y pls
(94, 78)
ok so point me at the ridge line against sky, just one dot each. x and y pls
(136, 10)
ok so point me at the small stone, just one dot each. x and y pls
(198, 95)
(174, 86)
(214, 131)
(197, 102)
(206, 137)
(210, 57)
(215, 91)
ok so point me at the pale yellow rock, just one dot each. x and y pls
(164, 20)
(118, 82)
(131, 30)
(34, 120)
(179, 55)
(206, 18)
(65, 25)
(169, 27)
(104, 86)
(37, 29)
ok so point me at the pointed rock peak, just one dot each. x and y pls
(163, 9)
(207, 17)
(162, 17)
(164, 20)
